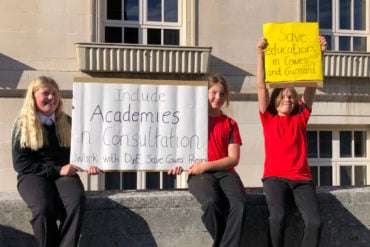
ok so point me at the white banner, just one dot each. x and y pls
(119, 126)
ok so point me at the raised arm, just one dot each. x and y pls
(262, 91)
(309, 92)
(308, 96)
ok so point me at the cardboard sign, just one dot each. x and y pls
(138, 125)
(293, 55)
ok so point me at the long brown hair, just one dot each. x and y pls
(218, 78)
(278, 94)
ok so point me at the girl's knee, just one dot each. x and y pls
(238, 205)
(43, 208)
(212, 204)
(313, 223)
(277, 218)
(77, 200)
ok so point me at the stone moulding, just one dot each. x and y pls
(104, 57)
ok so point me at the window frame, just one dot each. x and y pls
(352, 167)
(179, 181)
(336, 162)
(335, 33)
(142, 24)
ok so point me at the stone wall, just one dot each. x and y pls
(173, 218)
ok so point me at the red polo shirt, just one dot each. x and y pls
(286, 144)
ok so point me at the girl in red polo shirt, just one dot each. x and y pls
(214, 183)
(286, 173)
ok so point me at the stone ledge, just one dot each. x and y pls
(173, 218)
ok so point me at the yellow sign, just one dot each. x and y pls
(293, 52)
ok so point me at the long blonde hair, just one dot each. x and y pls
(28, 124)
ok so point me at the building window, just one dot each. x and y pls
(139, 180)
(155, 22)
(162, 10)
(319, 144)
(152, 180)
(352, 144)
(359, 140)
(345, 175)
(353, 175)
(360, 175)
(322, 175)
(120, 180)
(345, 140)
(338, 157)
(343, 22)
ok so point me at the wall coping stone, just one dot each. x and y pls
(173, 218)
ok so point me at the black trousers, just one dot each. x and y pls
(279, 192)
(223, 201)
(51, 201)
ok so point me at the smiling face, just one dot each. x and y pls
(285, 102)
(47, 99)
(216, 99)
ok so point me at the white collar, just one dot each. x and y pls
(46, 119)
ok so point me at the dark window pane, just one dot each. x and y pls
(345, 139)
(169, 181)
(359, 14)
(359, 44)
(344, 43)
(154, 36)
(314, 175)
(131, 10)
(360, 143)
(329, 42)
(345, 14)
(311, 10)
(113, 35)
(326, 176)
(129, 180)
(131, 35)
(152, 180)
(312, 144)
(154, 10)
(170, 10)
(171, 37)
(325, 141)
(360, 175)
(325, 14)
(345, 175)
(112, 180)
(114, 9)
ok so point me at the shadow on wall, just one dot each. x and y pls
(345, 216)
(235, 76)
(108, 223)
(340, 214)
(11, 71)
(256, 221)
(11, 237)
(348, 89)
